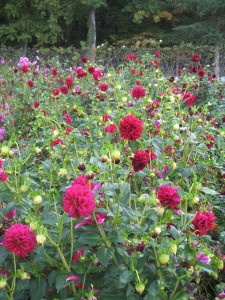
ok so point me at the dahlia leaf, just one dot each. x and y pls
(105, 254)
(209, 191)
(89, 238)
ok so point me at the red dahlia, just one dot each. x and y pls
(64, 89)
(138, 92)
(201, 73)
(54, 72)
(56, 92)
(131, 128)
(188, 98)
(203, 221)
(103, 87)
(30, 83)
(196, 57)
(140, 160)
(69, 81)
(168, 196)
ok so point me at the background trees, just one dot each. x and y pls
(70, 22)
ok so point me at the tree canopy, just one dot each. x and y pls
(69, 22)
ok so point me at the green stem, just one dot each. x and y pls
(71, 240)
(65, 265)
(14, 280)
(175, 288)
(102, 232)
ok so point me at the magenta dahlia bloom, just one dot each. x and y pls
(78, 201)
(138, 92)
(20, 240)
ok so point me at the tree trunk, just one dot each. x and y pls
(217, 62)
(91, 36)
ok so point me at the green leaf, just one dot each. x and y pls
(52, 277)
(60, 281)
(126, 276)
(3, 254)
(38, 288)
(126, 193)
(115, 237)
(174, 232)
(153, 291)
(89, 238)
(105, 254)
(208, 191)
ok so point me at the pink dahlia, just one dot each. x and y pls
(78, 201)
(138, 92)
(20, 240)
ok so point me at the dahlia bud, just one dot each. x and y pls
(24, 188)
(196, 200)
(23, 275)
(140, 287)
(174, 166)
(3, 282)
(115, 154)
(81, 166)
(173, 248)
(104, 159)
(33, 226)
(176, 127)
(198, 186)
(37, 150)
(160, 211)
(37, 199)
(5, 150)
(164, 258)
(157, 230)
(90, 175)
(62, 172)
(40, 239)
(220, 265)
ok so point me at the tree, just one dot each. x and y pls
(91, 6)
(27, 21)
(200, 22)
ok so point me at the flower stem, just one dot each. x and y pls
(71, 239)
(14, 280)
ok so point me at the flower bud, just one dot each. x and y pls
(173, 248)
(115, 154)
(40, 239)
(62, 172)
(140, 287)
(3, 282)
(164, 258)
(157, 230)
(37, 199)
(176, 127)
(196, 200)
(104, 159)
(5, 150)
(23, 275)
(37, 150)
(24, 188)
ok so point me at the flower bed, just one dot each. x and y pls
(112, 183)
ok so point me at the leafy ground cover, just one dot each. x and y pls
(112, 183)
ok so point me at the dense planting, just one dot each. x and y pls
(112, 182)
